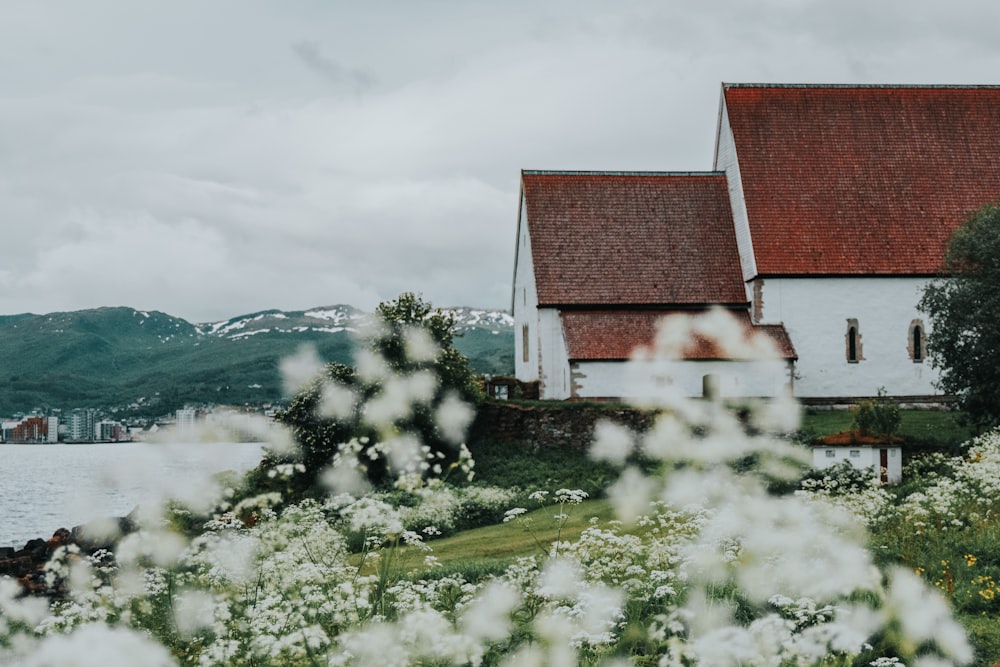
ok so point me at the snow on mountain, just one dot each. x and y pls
(339, 319)
(329, 319)
(474, 318)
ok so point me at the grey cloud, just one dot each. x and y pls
(312, 55)
(259, 185)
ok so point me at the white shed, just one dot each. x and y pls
(884, 460)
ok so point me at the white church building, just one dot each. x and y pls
(828, 210)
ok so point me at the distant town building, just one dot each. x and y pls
(111, 431)
(32, 430)
(80, 425)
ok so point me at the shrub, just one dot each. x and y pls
(878, 417)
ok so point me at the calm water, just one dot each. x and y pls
(45, 487)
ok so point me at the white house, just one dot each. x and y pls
(837, 206)
(885, 461)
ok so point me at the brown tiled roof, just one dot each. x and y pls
(632, 238)
(862, 179)
(611, 335)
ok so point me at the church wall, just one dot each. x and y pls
(816, 313)
(554, 374)
(726, 160)
(673, 378)
(524, 307)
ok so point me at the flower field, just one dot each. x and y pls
(709, 559)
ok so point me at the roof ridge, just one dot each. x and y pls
(873, 86)
(566, 172)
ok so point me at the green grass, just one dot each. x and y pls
(531, 533)
(984, 632)
(921, 430)
(488, 550)
(522, 465)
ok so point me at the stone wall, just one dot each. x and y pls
(564, 425)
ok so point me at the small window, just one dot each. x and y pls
(853, 342)
(916, 344)
(830, 454)
(524, 343)
(855, 453)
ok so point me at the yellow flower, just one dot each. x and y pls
(970, 560)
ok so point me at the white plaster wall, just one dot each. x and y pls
(553, 363)
(524, 304)
(868, 457)
(815, 313)
(726, 160)
(671, 378)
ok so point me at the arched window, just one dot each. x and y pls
(853, 342)
(916, 344)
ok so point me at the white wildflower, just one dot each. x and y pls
(612, 442)
(300, 369)
(419, 345)
(372, 367)
(336, 401)
(488, 617)
(924, 616)
(631, 494)
(344, 477)
(513, 513)
(560, 578)
(98, 645)
(453, 417)
(194, 610)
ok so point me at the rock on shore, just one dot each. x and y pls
(27, 564)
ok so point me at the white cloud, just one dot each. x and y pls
(195, 148)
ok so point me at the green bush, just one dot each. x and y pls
(877, 417)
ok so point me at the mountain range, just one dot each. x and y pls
(149, 363)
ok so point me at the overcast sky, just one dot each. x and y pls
(210, 158)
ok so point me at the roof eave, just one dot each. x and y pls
(517, 242)
(696, 306)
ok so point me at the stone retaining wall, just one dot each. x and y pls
(564, 425)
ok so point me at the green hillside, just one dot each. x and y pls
(152, 363)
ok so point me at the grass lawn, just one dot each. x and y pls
(920, 429)
(489, 549)
(530, 533)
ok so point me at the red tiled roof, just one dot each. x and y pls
(633, 238)
(862, 179)
(611, 335)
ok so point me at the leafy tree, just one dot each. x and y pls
(401, 320)
(964, 307)
(410, 338)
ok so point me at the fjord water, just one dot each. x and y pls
(46, 487)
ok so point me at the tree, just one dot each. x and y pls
(964, 308)
(409, 357)
(402, 322)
